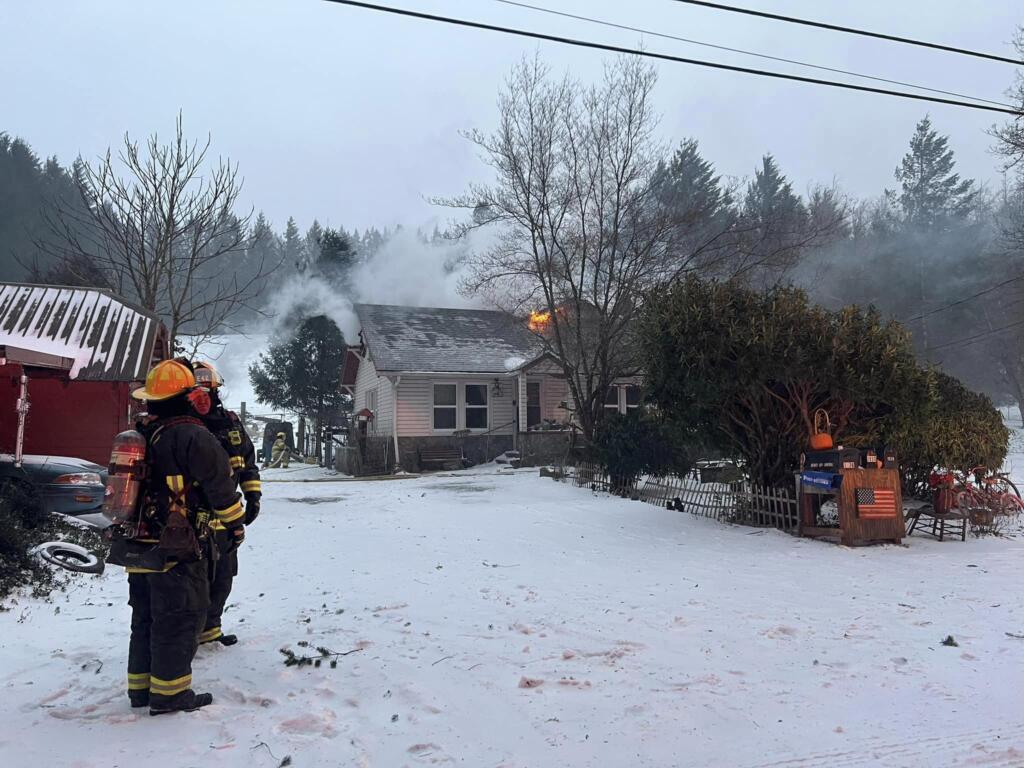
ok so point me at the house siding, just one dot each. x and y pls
(416, 404)
(368, 380)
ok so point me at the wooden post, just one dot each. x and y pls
(241, 413)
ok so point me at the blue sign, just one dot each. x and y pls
(829, 480)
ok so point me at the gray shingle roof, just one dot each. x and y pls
(106, 338)
(442, 340)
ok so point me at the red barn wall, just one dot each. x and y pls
(65, 418)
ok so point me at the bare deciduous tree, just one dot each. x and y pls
(1010, 137)
(582, 229)
(157, 226)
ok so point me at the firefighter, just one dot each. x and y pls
(279, 452)
(188, 482)
(230, 431)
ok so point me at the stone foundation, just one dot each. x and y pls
(479, 449)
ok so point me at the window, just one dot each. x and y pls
(445, 410)
(476, 406)
(632, 397)
(532, 404)
(371, 401)
(611, 399)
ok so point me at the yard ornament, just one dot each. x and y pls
(821, 439)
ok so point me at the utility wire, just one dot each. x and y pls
(976, 337)
(854, 31)
(667, 36)
(666, 57)
(966, 299)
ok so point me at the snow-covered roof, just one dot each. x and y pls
(442, 340)
(106, 338)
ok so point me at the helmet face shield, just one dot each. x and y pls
(207, 376)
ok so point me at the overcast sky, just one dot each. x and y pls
(352, 116)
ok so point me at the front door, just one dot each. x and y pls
(532, 404)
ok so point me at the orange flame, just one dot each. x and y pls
(539, 321)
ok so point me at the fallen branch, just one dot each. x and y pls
(442, 659)
(1014, 634)
(284, 761)
(291, 659)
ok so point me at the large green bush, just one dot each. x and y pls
(962, 430)
(746, 370)
(638, 443)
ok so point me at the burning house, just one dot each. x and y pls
(434, 383)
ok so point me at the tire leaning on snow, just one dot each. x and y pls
(70, 557)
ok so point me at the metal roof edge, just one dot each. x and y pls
(96, 289)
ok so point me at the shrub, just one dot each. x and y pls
(638, 443)
(745, 371)
(962, 430)
(23, 525)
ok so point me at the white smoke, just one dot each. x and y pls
(405, 270)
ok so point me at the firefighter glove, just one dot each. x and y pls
(239, 534)
(252, 507)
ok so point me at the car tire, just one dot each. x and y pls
(70, 557)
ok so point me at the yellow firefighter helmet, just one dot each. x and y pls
(165, 380)
(207, 376)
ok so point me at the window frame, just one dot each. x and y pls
(466, 407)
(617, 405)
(639, 396)
(435, 407)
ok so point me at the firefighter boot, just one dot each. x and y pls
(187, 701)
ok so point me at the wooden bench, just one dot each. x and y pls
(955, 520)
(441, 458)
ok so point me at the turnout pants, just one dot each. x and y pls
(167, 615)
(221, 574)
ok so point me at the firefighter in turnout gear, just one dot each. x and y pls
(186, 482)
(230, 431)
(279, 452)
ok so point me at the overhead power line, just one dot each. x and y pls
(854, 31)
(976, 337)
(769, 57)
(965, 299)
(666, 57)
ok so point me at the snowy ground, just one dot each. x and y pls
(508, 620)
(296, 472)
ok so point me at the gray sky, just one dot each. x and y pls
(352, 116)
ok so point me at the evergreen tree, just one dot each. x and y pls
(28, 190)
(303, 373)
(688, 183)
(311, 247)
(775, 226)
(931, 192)
(336, 258)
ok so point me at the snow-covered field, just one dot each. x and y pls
(506, 620)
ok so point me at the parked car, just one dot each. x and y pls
(65, 485)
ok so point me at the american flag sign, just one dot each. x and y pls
(876, 502)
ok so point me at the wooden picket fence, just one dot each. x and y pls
(738, 502)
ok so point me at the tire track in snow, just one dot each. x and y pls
(974, 747)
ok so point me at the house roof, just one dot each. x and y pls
(106, 338)
(442, 340)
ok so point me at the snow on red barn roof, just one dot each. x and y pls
(106, 338)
